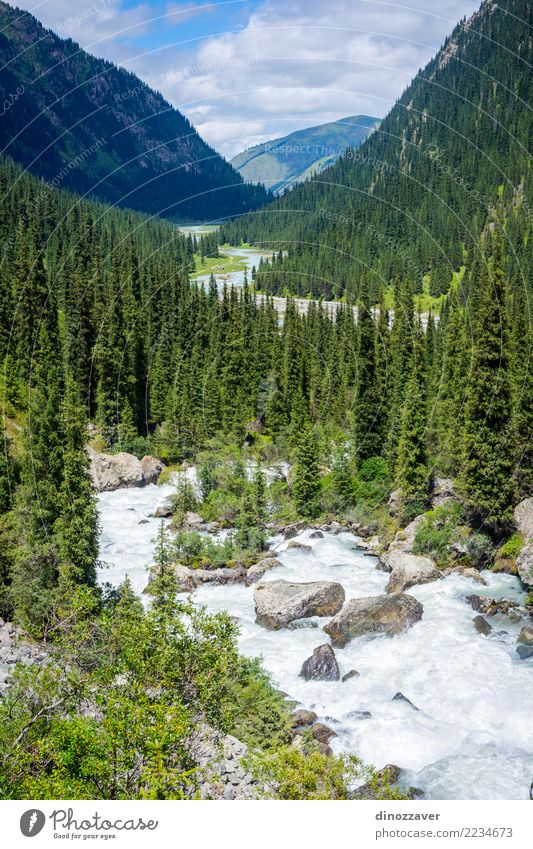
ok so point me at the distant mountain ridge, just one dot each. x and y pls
(85, 124)
(281, 163)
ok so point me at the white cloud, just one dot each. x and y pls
(294, 64)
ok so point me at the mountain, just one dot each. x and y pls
(85, 124)
(416, 194)
(281, 163)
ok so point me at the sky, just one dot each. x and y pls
(246, 71)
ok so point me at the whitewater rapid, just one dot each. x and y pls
(472, 735)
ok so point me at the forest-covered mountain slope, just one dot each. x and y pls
(85, 124)
(281, 163)
(414, 196)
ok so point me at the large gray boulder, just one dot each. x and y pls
(321, 666)
(115, 471)
(279, 602)
(382, 614)
(406, 570)
(524, 565)
(523, 516)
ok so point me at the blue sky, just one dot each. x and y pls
(244, 71)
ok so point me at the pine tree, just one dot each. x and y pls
(412, 464)
(489, 459)
(306, 481)
(368, 409)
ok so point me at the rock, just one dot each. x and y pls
(525, 636)
(382, 614)
(524, 652)
(442, 492)
(404, 540)
(408, 569)
(316, 535)
(298, 624)
(524, 564)
(358, 715)
(489, 606)
(143, 522)
(279, 602)
(335, 527)
(257, 571)
(523, 516)
(321, 666)
(389, 773)
(189, 579)
(291, 531)
(353, 673)
(164, 512)
(322, 733)
(399, 697)
(482, 626)
(192, 520)
(395, 502)
(302, 717)
(114, 471)
(299, 545)
(414, 793)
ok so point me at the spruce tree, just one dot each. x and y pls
(489, 457)
(306, 480)
(412, 463)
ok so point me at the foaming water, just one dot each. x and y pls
(471, 737)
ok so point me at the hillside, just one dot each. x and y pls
(85, 124)
(281, 163)
(413, 197)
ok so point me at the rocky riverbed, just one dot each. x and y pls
(446, 700)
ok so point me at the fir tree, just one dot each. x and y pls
(306, 480)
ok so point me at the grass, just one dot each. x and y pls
(218, 265)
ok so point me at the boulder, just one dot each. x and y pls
(299, 545)
(523, 516)
(358, 715)
(164, 512)
(524, 652)
(189, 579)
(482, 626)
(322, 733)
(257, 571)
(382, 614)
(316, 535)
(404, 540)
(353, 673)
(442, 492)
(279, 602)
(399, 697)
(525, 636)
(302, 717)
(192, 520)
(395, 502)
(524, 565)
(116, 471)
(406, 570)
(321, 666)
(299, 624)
(291, 531)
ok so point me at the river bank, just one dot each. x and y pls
(466, 732)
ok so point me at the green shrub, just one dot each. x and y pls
(438, 529)
(512, 547)
(480, 551)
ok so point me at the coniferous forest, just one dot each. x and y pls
(419, 381)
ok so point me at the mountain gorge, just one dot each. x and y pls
(282, 163)
(416, 193)
(84, 124)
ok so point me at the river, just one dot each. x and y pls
(471, 737)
